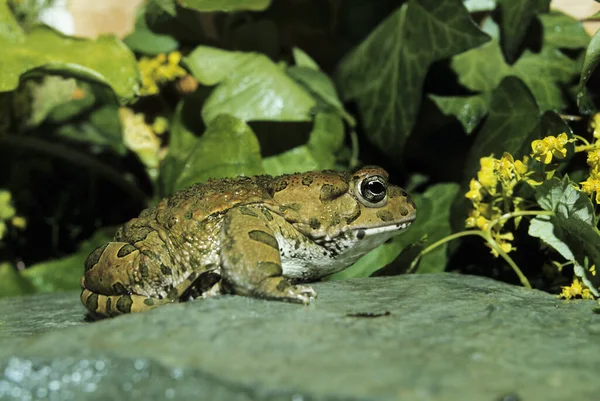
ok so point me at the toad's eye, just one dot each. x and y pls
(373, 190)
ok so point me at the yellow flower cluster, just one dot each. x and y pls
(576, 290)
(591, 185)
(8, 213)
(543, 150)
(491, 195)
(158, 70)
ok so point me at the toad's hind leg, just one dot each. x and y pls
(250, 258)
(112, 305)
(118, 279)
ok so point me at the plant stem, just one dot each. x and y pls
(76, 157)
(490, 239)
(583, 148)
(487, 235)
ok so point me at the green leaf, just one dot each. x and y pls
(563, 31)
(224, 5)
(50, 51)
(9, 27)
(182, 143)
(590, 62)
(480, 5)
(512, 117)
(102, 128)
(227, 148)
(326, 139)
(64, 274)
(469, 110)
(385, 73)
(571, 230)
(544, 73)
(433, 221)
(12, 282)
(301, 59)
(322, 88)
(516, 18)
(251, 87)
(144, 40)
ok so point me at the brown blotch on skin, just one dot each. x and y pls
(172, 294)
(108, 306)
(92, 302)
(119, 288)
(295, 207)
(92, 260)
(148, 301)
(124, 304)
(246, 211)
(403, 210)
(139, 234)
(165, 270)
(144, 270)
(270, 268)
(314, 223)
(192, 276)
(308, 180)
(385, 215)
(267, 214)
(280, 185)
(264, 237)
(330, 192)
(126, 250)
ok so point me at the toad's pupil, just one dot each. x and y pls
(375, 187)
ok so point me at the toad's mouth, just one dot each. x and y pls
(384, 228)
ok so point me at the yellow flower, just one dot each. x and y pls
(158, 70)
(521, 167)
(593, 160)
(486, 175)
(19, 222)
(576, 290)
(595, 124)
(543, 150)
(474, 193)
(591, 186)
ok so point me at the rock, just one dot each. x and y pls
(414, 337)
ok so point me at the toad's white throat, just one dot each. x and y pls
(327, 255)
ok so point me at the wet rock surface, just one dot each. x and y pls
(417, 337)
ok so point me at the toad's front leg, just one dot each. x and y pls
(250, 259)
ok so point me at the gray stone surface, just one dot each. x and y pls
(417, 337)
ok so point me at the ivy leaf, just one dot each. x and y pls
(571, 230)
(544, 73)
(53, 52)
(326, 139)
(480, 5)
(433, 221)
(513, 115)
(469, 110)
(227, 148)
(145, 40)
(516, 18)
(563, 31)
(251, 87)
(385, 73)
(590, 62)
(301, 59)
(224, 5)
(102, 128)
(10, 30)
